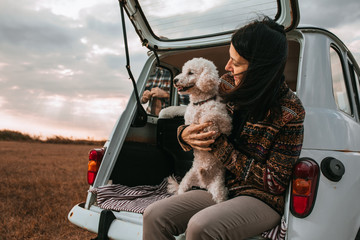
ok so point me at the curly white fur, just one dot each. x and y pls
(200, 79)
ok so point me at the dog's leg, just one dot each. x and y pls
(188, 181)
(217, 187)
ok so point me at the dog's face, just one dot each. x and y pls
(198, 76)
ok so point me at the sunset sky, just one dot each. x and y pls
(62, 64)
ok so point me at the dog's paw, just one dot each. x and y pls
(219, 194)
(219, 198)
(181, 191)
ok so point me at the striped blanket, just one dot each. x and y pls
(131, 199)
(135, 199)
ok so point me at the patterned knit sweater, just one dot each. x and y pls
(261, 166)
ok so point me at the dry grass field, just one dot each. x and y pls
(39, 184)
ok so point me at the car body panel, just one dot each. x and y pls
(336, 211)
(316, 93)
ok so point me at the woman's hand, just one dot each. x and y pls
(195, 136)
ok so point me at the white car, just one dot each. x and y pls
(323, 199)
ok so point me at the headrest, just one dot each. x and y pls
(172, 112)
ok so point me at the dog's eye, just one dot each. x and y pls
(190, 73)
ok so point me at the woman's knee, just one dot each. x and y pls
(155, 224)
(199, 228)
(161, 217)
(152, 213)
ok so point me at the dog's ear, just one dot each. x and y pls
(209, 79)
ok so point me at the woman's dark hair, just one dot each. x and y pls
(263, 44)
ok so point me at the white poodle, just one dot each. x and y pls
(200, 79)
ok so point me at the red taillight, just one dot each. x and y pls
(95, 158)
(304, 187)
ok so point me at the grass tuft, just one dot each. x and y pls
(10, 135)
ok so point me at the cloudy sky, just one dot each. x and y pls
(62, 62)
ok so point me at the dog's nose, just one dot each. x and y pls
(176, 80)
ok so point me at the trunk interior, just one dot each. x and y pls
(152, 153)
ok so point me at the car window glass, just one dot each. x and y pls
(157, 91)
(339, 85)
(355, 83)
(292, 64)
(156, 95)
(357, 79)
(178, 19)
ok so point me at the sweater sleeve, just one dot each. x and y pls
(186, 147)
(273, 174)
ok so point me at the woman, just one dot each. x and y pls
(259, 154)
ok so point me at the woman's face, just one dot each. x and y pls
(236, 65)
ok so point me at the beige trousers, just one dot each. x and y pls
(196, 213)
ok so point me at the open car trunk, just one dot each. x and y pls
(176, 34)
(160, 154)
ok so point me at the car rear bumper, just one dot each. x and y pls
(127, 225)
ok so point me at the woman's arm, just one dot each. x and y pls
(274, 174)
(193, 137)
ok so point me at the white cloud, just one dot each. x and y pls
(60, 72)
(99, 107)
(3, 65)
(329, 13)
(54, 101)
(96, 50)
(2, 101)
(84, 40)
(70, 9)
